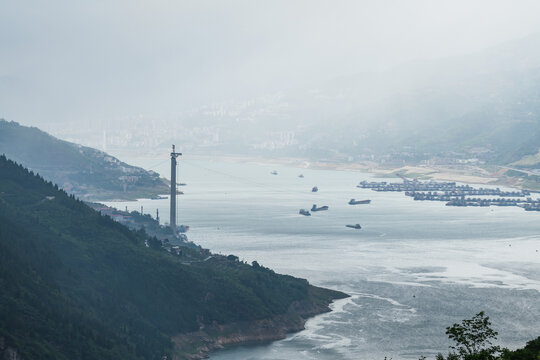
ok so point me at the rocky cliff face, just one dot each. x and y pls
(197, 345)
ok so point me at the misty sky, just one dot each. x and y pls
(94, 60)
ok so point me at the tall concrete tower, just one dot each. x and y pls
(174, 155)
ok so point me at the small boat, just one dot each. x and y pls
(314, 189)
(304, 212)
(181, 184)
(315, 208)
(355, 226)
(301, 175)
(158, 197)
(358, 202)
(274, 172)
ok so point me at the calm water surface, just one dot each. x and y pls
(413, 269)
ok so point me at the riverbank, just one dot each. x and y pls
(401, 268)
(470, 174)
(199, 344)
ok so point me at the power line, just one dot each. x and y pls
(239, 179)
(157, 164)
(256, 183)
(245, 180)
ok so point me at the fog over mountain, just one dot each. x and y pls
(388, 151)
(282, 78)
(483, 105)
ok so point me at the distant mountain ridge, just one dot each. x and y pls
(80, 170)
(484, 105)
(487, 102)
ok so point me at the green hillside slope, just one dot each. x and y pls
(80, 170)
(77, 285)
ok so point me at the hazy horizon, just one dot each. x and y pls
(385, 152)
(67, 62)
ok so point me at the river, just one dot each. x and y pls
(412, 270)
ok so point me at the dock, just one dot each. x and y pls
(456, 195)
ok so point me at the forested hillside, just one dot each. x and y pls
(80, 170)
(77, 285)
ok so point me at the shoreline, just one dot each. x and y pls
(459, 173)
(200, 344)
(464, 173)
(493, 175)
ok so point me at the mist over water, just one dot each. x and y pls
(393, 83)
(412, 270)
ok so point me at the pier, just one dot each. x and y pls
(456, 195)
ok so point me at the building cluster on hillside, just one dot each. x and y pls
(137, 220)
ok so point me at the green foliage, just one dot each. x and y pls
(531, 351)
(79, 169)
(154, 243)
(530, 181)
(232, 258)
(473, 338)
(78, 285)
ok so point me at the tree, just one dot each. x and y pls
(474, 338)
(473, 342)
(529, 352)
(154, 243)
